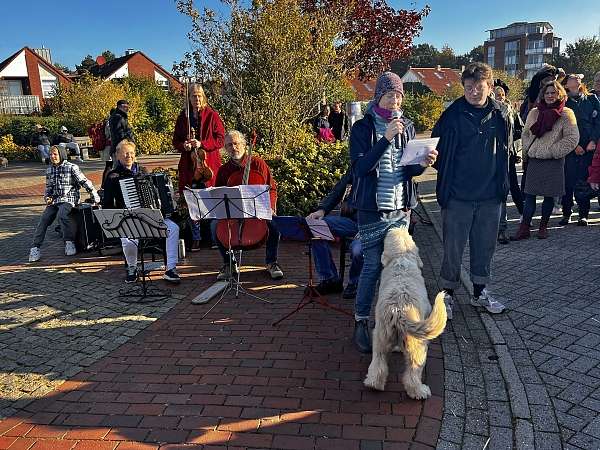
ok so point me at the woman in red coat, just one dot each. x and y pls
(208, 134)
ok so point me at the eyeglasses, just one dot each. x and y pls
(472, 89)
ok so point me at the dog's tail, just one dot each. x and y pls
(431, 327)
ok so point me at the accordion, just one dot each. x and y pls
(153, 190)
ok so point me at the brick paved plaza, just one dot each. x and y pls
(81, 369)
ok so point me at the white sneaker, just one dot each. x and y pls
(70, 249)
(488, 302)
(556, 211)
(34, 254)
(449, 302)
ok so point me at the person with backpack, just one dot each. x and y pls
(119, 127)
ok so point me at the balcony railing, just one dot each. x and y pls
(538, 50)
(19, 104)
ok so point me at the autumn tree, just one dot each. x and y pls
(373, 33)
(267, 66)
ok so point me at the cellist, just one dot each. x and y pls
(236, 148)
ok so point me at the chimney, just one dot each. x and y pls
(100, 60)
(44, 53)
(438, 68)
(130, 51)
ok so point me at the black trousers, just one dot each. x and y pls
(513, 179)
(576, 171)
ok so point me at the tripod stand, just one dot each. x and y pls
(141, 225)
(311, 294)
(226, 203)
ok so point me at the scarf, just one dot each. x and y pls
(384, 113)
(547, 117)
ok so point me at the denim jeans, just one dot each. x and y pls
(530, 205)
(324, 265)
(369, 276)
(477, 222)
(44, 151)
(272, 245)
(515, 192)
(195, 228)
(68, 225)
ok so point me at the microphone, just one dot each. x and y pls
(397, 114)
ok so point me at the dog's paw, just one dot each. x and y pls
(372, 383)
(419, 392)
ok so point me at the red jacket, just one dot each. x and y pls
(258, 165)
(211, 133)
(594, 169)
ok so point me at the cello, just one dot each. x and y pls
(244, 234)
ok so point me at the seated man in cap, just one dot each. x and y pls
(65, 139)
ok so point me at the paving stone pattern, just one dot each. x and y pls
(160, 375)
(547, 340)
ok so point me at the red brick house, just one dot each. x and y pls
(26, 79)
(435, 79)
(138, 64)
(363, 90)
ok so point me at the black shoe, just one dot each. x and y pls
(172, 276)
(132, 275)
(503, 238)
(582, 222)
(195, 245)
(333, 286)
(362, 336)
(350, 291)
(565, 220)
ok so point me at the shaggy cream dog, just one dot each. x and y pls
(403, 315)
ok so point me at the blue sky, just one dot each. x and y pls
(75, 28)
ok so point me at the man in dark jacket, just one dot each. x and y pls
(66, 139)
(345, 226)
(41, 141)
(475, 139)
(119, 127)
(338, 121)
(587, 112)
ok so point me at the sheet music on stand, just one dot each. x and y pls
(119, 223)
(244, 202)
(142, 225)
(319, 229)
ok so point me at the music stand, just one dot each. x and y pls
(231, 202)
(302, 232)
(143, 225)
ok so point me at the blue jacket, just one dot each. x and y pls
(365, 152)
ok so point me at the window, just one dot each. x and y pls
(511, 56)
(49, 88)
(491, 53)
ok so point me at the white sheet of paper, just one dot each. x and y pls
(245, 201)
(416, 151)
(319, 229)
